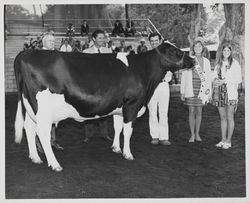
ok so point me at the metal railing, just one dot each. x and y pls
(27, 27)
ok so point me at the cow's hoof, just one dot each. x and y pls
(128, 157)
(116, 150)
(36, 160)
(57, 169)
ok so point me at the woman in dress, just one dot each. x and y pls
(196, 88)
(226, 78)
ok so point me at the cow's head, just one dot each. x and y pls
(172, 58)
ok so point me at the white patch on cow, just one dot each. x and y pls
(118, 125)
(60, 109)
(123, 57)
(29, 109)
(127, 131)
(141, 112)
(19, 122)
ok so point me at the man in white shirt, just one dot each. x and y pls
(98, 37)
(48, 42)
(159, 103)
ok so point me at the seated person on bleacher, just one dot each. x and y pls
(66, 46)
(84, 28)
(142, 47)
(130, 50)
(77, 47)
(112, 46)
(70, 30)
(129, 28)
(122, 47)
(85, 44)
(118, 28)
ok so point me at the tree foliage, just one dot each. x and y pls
(172, 20)
(13, 12)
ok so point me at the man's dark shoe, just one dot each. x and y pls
(164, 142)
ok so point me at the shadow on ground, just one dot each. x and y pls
(92, 170)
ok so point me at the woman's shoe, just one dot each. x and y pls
(220, 144)
(226, 145)
(198, 139)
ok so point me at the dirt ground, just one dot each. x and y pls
(181, 170)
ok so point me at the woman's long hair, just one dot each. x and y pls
(203, 53)
(221, 57)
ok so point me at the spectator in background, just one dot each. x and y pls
(50, 31)
(48, 41)
(70, 30)
(71, 41)
(146, 31)
(122, 47)
(142, 47)
(118, 28)
(112, 46)
(33, 44)
(129, 28)
(77, 47)
(66, 46)
(130, 50)
(84, 28)
(85, 44)
(26, 46)
(39, 42)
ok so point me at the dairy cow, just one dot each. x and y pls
(53, 86)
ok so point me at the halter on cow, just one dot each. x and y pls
(53, 86)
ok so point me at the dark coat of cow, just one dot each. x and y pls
(94, 84)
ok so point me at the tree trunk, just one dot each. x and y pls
(195, 23)
(233, 31)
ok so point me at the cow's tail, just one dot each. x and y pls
(19, 121)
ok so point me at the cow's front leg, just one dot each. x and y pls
(44, 124)
(30, 129)
(127, 131)
(118, 124)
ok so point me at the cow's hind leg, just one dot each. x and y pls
(118, 124)
(44, 124)
(30, 127)
(43, 132)
(127, 131)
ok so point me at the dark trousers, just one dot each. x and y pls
(99, 127)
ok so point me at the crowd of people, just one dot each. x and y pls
(71, 44)
(199, 85)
